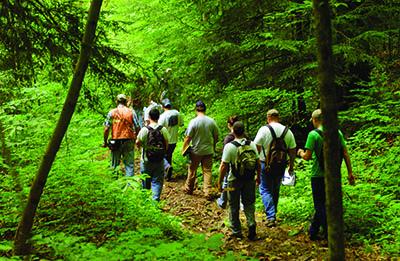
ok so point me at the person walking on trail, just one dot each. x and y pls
(314, 150)
(153, 139)
(274, 142)
(223, 199)
(172, 120)
(123, 124)
(240, 156)
(202, 133)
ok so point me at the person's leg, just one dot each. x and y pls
(234, 208)
(191, 178)
(128, 157)
(157, 179)
(115, 160)
(318, 193)
(146, 183)
(266, 190)
(248, 195)
(223, 199)
(206, 165)
(276, 180)
(170, 152)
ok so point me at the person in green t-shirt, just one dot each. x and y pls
(313, 150)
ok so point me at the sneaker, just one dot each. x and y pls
(236, 235)
(270, 223)
(252, 233)
(187, 192)
(220, 203)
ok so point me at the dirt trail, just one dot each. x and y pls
(278, 243)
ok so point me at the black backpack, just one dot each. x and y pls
(246, 163)
(155, 149)
(173, 120)
(320, 152)
(276, 160)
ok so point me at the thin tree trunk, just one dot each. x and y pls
(23, 234)
(326, 76)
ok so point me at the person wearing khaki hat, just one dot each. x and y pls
(275, 142)
(314, 150)
(123, 123)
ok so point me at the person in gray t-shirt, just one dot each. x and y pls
(202, 132)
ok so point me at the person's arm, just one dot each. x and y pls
(222, 172)
(292, 157)
(305, 155)
(106, 133)
(350, 176)
(259, 148)
(215, 134)
(258, 178)
(186, 143)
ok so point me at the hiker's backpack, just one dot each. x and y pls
(320, 152)
(277, 155)
(173, 120)
(155, 149)
(246, 163)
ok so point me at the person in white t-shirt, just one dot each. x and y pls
(153, 139)
(172, 120)
(271, 176)
(240, 187)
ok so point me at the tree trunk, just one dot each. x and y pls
(23, 234)
(326, 77)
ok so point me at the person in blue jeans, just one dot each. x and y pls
(271, 177)
(223, 199)
(153, 168)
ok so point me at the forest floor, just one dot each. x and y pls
(282, 242)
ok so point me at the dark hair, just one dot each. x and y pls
(238, 128)
(232, 119)
(200, 106)
(154, 114)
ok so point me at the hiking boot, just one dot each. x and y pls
(187, 191)
(236, 235)
(271, 223)
(252, 233)
(220, 203)
(168, 175)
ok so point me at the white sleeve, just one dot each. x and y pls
(260, 137)
(291, 142)
(227, 153)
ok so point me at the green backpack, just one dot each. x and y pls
(246, 164)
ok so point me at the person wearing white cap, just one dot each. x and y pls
(172, 120)
(123, 124)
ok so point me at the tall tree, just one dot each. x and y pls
(322, 13)
(23, 234)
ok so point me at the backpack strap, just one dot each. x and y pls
(272, 131)
(159, 128)
(284, 132)
(237, 144)
(320, 132)
(149, 128)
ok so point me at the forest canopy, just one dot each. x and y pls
(241, 58)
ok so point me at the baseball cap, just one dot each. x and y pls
(166, 102)
(273, 112)
(200, 105)
(121, 97)
(317, 114)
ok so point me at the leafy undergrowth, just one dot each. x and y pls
(85, 214)
(283, 242)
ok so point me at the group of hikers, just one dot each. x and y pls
(244, 165)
